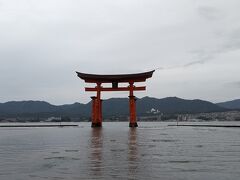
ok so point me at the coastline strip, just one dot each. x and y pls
(206, 125)
(39, 125)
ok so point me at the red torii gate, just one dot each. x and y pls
(115, 80)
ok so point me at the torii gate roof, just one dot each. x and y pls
(110, 78)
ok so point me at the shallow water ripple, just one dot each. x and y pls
(152, 151)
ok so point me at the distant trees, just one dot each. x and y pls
(237, 119)
(66, 119)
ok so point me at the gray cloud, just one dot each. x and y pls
(210, 13)
(43, 43)
(235, 84)
(194, 63)
(230, 42)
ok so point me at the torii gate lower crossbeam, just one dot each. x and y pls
(115, 80)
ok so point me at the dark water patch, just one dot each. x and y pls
(48, 166)
(39, 177)
(189, 170)
(226, 151)
(212, 129)
(168, 140)
(72, 150)
(153, 156)
(235, 145)
(164, 140)
(4, 174)
(58, 157)
(183, 162)
(33, 176)
(55, 152)
(151, 146)
(64, 169)
(156, 140)
(199, 146)
(65, 172)
(157, 155)
(117, 150)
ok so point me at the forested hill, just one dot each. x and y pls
(111, 107)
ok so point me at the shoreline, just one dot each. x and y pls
(41, 125)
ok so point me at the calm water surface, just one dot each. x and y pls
(152, 151)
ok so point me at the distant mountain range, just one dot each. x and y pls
(113, 107)
(235, 104)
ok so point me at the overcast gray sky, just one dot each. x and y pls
(194, 43)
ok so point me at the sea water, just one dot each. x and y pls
(154, 150)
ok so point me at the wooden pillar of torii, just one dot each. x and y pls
(114, 80)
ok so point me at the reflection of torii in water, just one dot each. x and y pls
(96, 148)
(114, 80)
(133, 156)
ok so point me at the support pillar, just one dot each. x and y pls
(94, 111)
(100, 112)
(132, 107)
(97, 122)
